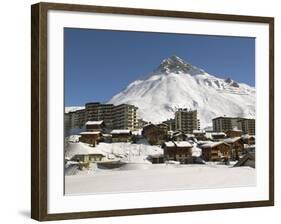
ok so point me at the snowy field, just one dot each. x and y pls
(136, 173)
(156, 177)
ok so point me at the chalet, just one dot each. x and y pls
(233, 133)
(249, 139)
(215, 151)
(95, 126)
(83, 154)
(237, 147)
(155, 134)
(248, 159)
(121, 135)
(157, 158)
(87, 158)
(90, 137)
(199, 134)
(178, 151)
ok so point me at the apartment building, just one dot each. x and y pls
(100, 112)
(79, 118)
(122, 116)
(248, 126)
(125, 117)
(186, 120)
(223, 124)
(68, 121)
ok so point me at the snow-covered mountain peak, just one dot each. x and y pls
(178, 84)
(175, 64)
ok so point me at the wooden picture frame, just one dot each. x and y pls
(39, 108)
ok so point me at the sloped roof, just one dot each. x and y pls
(90, 133)
(178, 144)
(169, 144)
(212, 144)
(248, 136)
(231, 140)
(183, 144)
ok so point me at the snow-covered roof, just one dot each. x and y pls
(201, 142)
(169, 144)
(158, 155)
(90, 133)
(231, 140)
(211, 144)
(198, 132)
(93, 122)
(247, 136)
(120, 131)
(183, 144)
(177, 144)
(218, 133)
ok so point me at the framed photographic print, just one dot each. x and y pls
(139, 111)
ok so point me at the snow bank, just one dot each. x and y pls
(161, 177)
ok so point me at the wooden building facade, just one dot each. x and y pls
(155, 134)
(90, 137)
(178, 151)
(216, 151)
(122, 135)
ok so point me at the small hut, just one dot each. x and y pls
(90, 137)
(95, 126)
(121, 135)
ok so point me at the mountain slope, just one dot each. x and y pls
(177, 84)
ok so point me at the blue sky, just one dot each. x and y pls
(99, 63)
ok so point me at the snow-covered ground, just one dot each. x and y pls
(136, 173)
(156, 177)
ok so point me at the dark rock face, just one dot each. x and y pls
(231, 82)
(228, 80)
(235, 84)
(175, 64)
